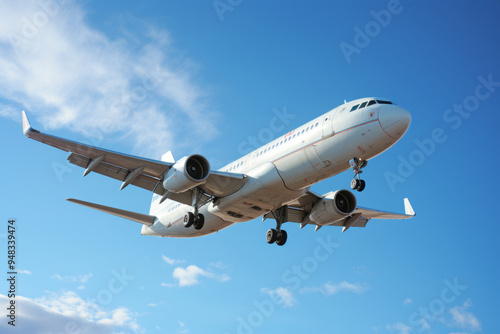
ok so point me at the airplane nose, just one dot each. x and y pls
(394, 120)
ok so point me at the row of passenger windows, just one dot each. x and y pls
(369, 103)
(258, 154)
(174, 207)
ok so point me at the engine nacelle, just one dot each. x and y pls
(187, 173)
(334, 206)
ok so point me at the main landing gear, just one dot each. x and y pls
(278, 235)
(357, 165)
(190, 219)
(196, 219)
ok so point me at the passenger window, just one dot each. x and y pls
(363, 105)
(307, 129)
(302, 132)
(316, 125)
(354, 107)
(371, 102)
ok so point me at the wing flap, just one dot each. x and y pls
(143, 181)
(134, 216)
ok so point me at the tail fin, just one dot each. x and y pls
(168, 157)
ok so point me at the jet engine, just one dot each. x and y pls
(187, 173)
(334, 206)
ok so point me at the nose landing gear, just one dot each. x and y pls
(357, 165)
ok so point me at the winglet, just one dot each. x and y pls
(408, 209)
(26, 124)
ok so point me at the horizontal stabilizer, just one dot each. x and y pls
(137, 217)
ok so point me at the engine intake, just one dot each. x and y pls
(187, 173)
(333, 207)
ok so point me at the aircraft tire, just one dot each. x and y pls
(282, 236)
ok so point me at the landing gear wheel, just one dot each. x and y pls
(282, 236)
(188, 219)
(355, 184)
(199, 222)
(271, 236)
(361, 185)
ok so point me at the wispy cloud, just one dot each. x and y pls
(463, 318)
(80, 278)
(399, 328)
(22, 271)
(69, 74)
(55, 312)
(329, 288)
(190, 276)
(407, 301)
(183, 328)
(171, 261)
(281, 296)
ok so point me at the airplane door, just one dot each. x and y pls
(328, 124)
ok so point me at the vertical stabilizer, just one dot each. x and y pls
(168, 157)
(155, 201)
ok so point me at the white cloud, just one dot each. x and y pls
(189, 276)
(334, 288)
(79, 278)
(281, 296)
(463, 318)
(399, 328)
(170, 260)
(407, 301)
(67, 312)
(183, 327)
(70, 75)
(21, 271)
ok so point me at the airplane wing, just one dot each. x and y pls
(299, 209)
(141, 172)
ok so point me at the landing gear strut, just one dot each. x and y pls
(278, 235)
(357, 165)
(196, 219)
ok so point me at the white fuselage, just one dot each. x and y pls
(284, 169)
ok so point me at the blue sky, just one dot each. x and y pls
(215, 78)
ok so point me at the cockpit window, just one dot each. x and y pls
(354, 107)
(384, 102)
(363, 105)
(371, 102)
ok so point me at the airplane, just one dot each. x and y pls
(191, 200)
